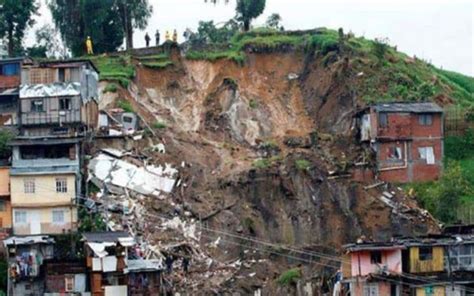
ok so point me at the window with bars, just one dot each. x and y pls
(20, 217)
(61, 185)
(58, 216)
(37, 106)
(64, 104)
(29, 185)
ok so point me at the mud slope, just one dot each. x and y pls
(258, 142)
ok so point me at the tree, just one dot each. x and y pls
(248, 10)
(77, 19)
(134, 14)
(48, 44)
(15, 17)
(273, 21)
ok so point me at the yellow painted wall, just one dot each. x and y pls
(45, 220)
(45, 191)
(6, 214)
(437, 291)
(4, 181)
(434, 265)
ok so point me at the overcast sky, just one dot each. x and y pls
(440, 31)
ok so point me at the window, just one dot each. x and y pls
(20, 217)
(375, 257)
(29, 185)
(69, 282)
(37, 106)
(371, 289)
(395, 152)
(383, 119)
(58, 216)
(64, 104)
(9, 69)
(425, 119)
(2, 206)
(127, 119)
(427, 153)
(61, 185)
(61, 75)
(425, 253)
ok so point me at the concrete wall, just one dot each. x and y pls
(40, 221)
(6, 214)
(45, 191)
(391, 258)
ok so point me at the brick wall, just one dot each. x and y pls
(9, 81)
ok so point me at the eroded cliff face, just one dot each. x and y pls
(260, 143)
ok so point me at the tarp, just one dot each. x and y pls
(79, 283)
(96, 264)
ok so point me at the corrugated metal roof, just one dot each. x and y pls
(424, 107)
(110, 236)
(28, 240)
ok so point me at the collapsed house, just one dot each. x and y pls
(407, 139)
(429, 265)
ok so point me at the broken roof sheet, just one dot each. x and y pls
(141, 265)
(9, 91)
(109, 236)
(424, 107)
(149, 180)
(28, 240)
(50, 90)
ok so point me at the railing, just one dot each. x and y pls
(51, 117)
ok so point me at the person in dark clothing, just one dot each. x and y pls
(147, 39)
(157, 37)
(185, 264)
(169, 263)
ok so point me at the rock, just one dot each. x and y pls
(293, 76)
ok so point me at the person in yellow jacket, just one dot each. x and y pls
(89, 46)
(167, 36)
(175, 36)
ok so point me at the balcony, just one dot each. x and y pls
(51, 117)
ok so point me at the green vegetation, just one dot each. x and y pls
(90, 221)
(452, 197)
(114, 68)
(5, 137)
(159, 125)
(3, 276)
(125, 105)
(158, 65)
(264, 163)
(111, 87)
(253, 104)
(302, 164)
(289, 277)
(237, 57)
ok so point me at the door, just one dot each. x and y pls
(35, 222)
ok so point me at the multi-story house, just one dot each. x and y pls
(430, 265)
(407, 139)
(58, 106)
(5, 205)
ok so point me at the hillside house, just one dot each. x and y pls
(407, 139)
(429, 265)
(25, 257)
(58, 106)
(115, 270)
